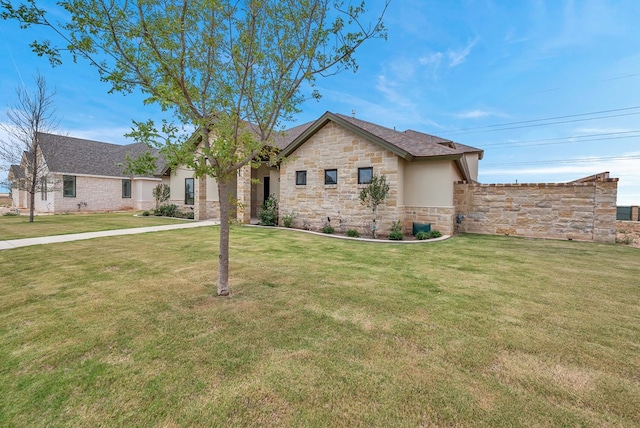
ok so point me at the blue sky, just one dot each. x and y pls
(549, 89)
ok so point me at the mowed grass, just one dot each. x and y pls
(18, 227)
(476, 331)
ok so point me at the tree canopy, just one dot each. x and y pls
(232, 69)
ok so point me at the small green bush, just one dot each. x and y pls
(396, 236)
(434, 234)
(328, 229)
(145, 213)
(269, 212)
(10, 214)
(396, 231)
(422, 236)
(352, 233)
(287, 220)
(168, 210)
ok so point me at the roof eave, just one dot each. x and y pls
(459, 160)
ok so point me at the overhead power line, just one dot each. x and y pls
(565, 140)
(568, 161)
(546, 121)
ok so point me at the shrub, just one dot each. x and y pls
(191, 215)
(396, 226)
(269, 212)
(161, 193)
(145, 213)
(352, 233)
(434, 234)
(287, 220)
(168, 210)
(396, 236)
(328, 229)
(10, 214)
(422, 236)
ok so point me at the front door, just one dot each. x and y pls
(265, 183)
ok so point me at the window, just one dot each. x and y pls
(69, 186)
(330, 176)
(188, 191)
(365, 175)
(126, 188)
(301, 178)
(43, 188)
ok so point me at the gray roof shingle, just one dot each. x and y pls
(16, 172)
(78, 156)
(407, 143)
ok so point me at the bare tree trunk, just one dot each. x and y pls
(34, 181)
(374, 226)
(223, 257)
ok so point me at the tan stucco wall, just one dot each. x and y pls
(176, 185)
(580, 211)
(334, 147)
(472, 162)
(429, 183)
(212, 190)
(142, 192)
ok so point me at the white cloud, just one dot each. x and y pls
(433, 61)
(432, 58)
(392, 91)
(432, 64)
(457, 57)
(477, 114)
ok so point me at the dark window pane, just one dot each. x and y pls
(365, 175)
(126, 188)
(330, 176)
(69, 186)
(301, 178)
(188, 191)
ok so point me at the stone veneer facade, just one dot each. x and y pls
(440, 218)
(628, 232)
(581, 211)
(335, 147)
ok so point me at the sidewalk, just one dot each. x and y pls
(16, 243)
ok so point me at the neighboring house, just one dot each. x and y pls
(83, 175)
(326, 163)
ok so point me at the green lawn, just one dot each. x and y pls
(475, 331)
(17, 227)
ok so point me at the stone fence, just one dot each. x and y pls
(628, 232)
(581, 210)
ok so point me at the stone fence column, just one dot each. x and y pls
(200, 196)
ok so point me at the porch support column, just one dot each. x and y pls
(200, 196)
(244, 195)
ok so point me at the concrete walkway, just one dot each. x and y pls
(16, 243)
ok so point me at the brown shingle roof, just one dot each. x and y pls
(407, 144)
